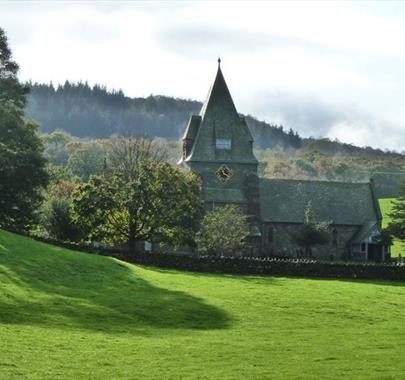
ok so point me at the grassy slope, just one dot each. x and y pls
(386, 206)
(76, 316)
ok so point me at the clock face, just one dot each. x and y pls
(224, 174)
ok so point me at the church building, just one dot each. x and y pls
(218, 146)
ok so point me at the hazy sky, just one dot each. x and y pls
(333, 69)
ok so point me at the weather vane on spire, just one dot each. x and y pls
(219, 61)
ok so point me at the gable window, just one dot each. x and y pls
(223, 144)
(363, 247)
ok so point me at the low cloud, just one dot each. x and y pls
(345, 122)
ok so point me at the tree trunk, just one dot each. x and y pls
(132, 238)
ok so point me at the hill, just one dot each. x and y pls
(96, 112)
(70, 315)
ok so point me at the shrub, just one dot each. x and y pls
(223, 231)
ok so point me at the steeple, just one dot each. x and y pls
(219, 96)
(218, 133)
(218, 146)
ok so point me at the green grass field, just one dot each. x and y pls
(68, 315)
(386, 206)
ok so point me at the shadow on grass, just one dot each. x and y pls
(74, 290)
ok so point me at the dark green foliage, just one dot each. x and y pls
(86, 111)
(161, 201)
(140, 197)
(386, 237)
(56, 213)
(396, 226)
(22, 166)
(58, 221)
(10, 89)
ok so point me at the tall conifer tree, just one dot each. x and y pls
(22, 166)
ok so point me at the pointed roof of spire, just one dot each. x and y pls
(219, 95)
(219, 121)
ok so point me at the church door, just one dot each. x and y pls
(375, 252)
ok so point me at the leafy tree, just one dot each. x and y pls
(58, 221)
(139, 199)
(56, 211)
(58, 173)
(312, 233)
(87, 159)
(397, 225)
(223, 231)
(22, 166)
(56, 147)
(128, 154)
(10, 89)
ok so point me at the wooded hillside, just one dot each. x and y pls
(95, 112)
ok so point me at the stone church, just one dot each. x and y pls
(218, 146)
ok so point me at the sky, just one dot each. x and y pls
(326, 69)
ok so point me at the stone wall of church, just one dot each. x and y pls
(229, 191)
(277, 241)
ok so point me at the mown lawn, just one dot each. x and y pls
(386, 206)
(67, 315)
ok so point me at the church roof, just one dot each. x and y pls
(218, 97)
(219, 121)
(346, 203)
(192, 127)
(364, 232)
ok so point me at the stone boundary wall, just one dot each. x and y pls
(249, 265)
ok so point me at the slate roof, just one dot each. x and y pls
(192, 127)
(337, 202)
(363, 232)
(218, 97)
(219, 119)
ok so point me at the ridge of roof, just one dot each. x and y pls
(313, 181)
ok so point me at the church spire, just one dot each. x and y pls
(218, 133)
(219, 96)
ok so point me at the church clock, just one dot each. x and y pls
(224, 173)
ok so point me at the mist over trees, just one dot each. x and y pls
(97, 112)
